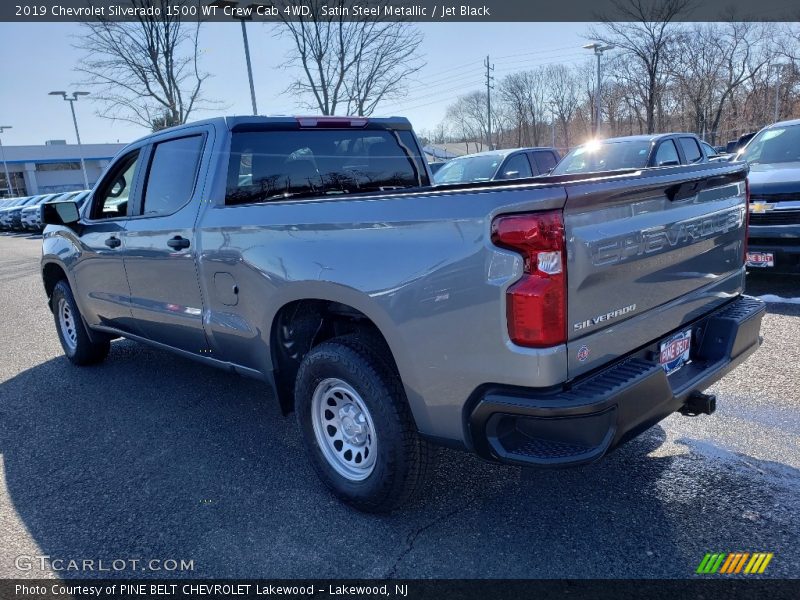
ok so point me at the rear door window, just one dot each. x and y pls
(544, 160)
(172, 175)
(667, 154)
(709, 150)
(516, 167)
(278, 165)
(691, 150)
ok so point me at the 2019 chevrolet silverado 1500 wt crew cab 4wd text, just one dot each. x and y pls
(541, 322)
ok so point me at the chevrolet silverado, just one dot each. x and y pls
(540, 322)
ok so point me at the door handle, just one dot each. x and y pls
(178, 242)
(113, 242)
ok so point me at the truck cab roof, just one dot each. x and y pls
(233, 122)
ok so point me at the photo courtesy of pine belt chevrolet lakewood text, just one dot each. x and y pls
(539, 322)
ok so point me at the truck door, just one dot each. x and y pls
(166, 301)
(101, 288)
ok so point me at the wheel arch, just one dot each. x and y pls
(303, 323)
(52, 273)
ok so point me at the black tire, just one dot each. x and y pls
(403, 458)
(82, 351)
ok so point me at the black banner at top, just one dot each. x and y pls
(426, 11)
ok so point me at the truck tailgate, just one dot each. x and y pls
(643, 260)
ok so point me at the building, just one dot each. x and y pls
(448, 150)
(54, 167)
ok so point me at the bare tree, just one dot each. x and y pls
(513, 94)
(563, 88)
(524, 96)
(350, 65)
(647, 35)
(146, 71)
(467, 116)
(440, 133)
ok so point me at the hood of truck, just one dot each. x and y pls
(775, 178)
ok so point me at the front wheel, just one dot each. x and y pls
(78, 346)
(357, 426)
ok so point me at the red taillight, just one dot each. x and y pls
(536, 305)
(746, 216)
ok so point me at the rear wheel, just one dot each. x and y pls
(78, 346)
(357, 426)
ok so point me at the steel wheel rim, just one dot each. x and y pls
(344, 429)
(66, 321)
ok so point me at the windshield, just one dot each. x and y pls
(481, 167)
(276, 165)
(605, 156)
(774, 145)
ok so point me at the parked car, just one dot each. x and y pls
(15, 213)
(540, 323)
(735, 146)
(712, 154)
(435, 166)
(31, 214)
(6, 212)
(633, 152)
(774, 236)
(26, 212)
(495, 165)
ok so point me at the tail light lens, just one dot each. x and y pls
(332, 122)
(746, 216)
(536, 305)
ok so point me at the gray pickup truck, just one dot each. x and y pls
(540, 323)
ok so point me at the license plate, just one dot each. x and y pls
(674, 351)
(760, 259)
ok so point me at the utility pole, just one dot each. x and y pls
(489, 87)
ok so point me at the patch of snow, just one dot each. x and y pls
(773, 299)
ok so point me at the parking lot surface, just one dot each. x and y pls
(151, 456)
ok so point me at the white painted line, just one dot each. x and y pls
(773, 299)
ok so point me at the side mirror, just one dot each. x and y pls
(59, 213)
(668, 163)
(511, 175)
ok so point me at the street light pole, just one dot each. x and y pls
(598, 52)
(232, 4)
(249, 67)
(72, 101)
(778, 68)
(5, 165)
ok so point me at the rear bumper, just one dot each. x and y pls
(566, 427)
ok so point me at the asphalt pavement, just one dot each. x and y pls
(151, 456)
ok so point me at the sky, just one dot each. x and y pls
(39, 57)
